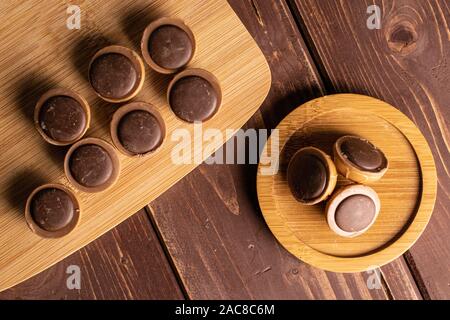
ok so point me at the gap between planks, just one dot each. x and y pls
(149, 213)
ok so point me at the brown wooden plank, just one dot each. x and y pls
(399, 280)
(405, 63)
(125, 263)
(210, 221)
(222, 248)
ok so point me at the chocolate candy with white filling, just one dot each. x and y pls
(193, 98)
(52, 209)
(91, 165)
(170, 47)
(307, 177)
(352, 210)
(62, 118)
(139, 132)
(113, 75)
(355, 213)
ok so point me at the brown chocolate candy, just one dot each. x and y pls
(311, 175)
(307, 177)
(352, 210)
(139, 132)
(363, 154)
(170, 47)
(52, 209)
(167, 45)
(193, 98)
(62, 118)
(91, 165)
(355, 213)
(113, 75)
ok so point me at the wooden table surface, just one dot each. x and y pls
(205, 238)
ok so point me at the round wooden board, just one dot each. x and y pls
(407, 191)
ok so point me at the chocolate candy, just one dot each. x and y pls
(52, 209)
(355, 213)
(307, 177)
(167, 45)
(352, 210)
(363, 154)
(113, 75)
(62, 118)
(91, 165)
(170, 47)
(116, 73)
(137, 129)
(359, 160)
(139, 132)
(311, 175)
(194, 95)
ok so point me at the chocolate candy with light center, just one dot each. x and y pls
(359, 160)
(352, 210)
(355, 213)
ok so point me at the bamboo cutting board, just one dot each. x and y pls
(407, 191)
(39, 52)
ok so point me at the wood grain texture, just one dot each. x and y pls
(399, 281)
(407, 191)
(224, 47)
(406, 64)
(126, 263)
(210, 221)
(295, 80)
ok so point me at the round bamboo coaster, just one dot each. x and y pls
(407, 191)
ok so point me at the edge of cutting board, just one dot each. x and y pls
(224, 47)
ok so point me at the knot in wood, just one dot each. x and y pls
(403, 34)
